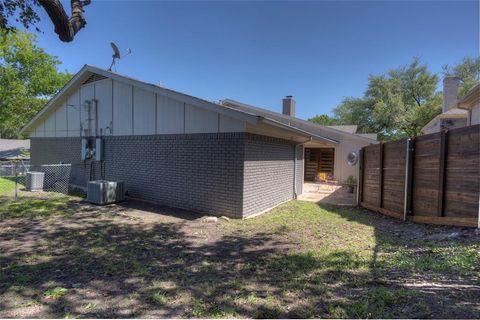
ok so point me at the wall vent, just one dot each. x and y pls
(95, 77)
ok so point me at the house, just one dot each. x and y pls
(170, 148)
(471, 103)
(14, 149)
(452, 116)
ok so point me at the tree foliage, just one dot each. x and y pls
(402, 101)
(468, 71)
(25, 13)
(324, 120)
(29, 77)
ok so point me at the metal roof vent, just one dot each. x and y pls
(95, 77)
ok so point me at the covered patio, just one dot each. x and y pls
(321, 192)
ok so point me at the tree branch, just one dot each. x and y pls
(65, 27)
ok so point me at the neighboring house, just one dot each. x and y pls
(451, 117)
(177, 150)
(14, 149)
(353, 129)
(471, 103)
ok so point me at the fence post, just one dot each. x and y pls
(360, 178)
(441, 173)
(380, 176)
(16, 180)
(407, 205)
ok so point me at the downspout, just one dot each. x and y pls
(295, 195)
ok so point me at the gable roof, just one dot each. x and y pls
(88, 71)
(250, 115)
(308, 126)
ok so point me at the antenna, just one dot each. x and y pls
(116, 55)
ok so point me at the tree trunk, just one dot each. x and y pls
(65, 27)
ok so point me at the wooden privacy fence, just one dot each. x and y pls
(433, 178)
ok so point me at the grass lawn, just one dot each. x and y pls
(65, 258)
(7, 185)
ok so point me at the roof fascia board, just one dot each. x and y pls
(335, 131)
(293, 129)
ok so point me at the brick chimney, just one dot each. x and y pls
(289, 106)
(450, 92)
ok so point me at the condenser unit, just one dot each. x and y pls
(34, 181)
(104, 192)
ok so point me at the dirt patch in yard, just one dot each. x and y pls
(300, 260)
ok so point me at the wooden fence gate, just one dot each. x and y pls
(433, 178)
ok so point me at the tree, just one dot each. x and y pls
(395, 105)
(468, 71)
(356, 111)
(29, 77)
(324, 120)
(398, 97)
(25, 13)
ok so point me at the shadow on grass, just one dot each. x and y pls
(96, 263)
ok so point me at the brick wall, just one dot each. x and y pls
(200, 172)
(268, 178)
(64, 150)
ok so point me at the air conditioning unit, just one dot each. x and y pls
(34, 181)
(104, 192)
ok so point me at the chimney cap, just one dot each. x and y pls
(289, 97)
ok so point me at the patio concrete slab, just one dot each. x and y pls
(327, 193)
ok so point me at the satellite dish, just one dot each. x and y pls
(352, 158)
(116, 52)
(115, 55)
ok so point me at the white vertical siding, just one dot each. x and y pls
(103, 94)
(199, 120)
(170, 115)
(87, 92)
(126, 110)
(40, 129)
(50, 125)
(122, 109)
(73, 115)
(143, 112)
(228, 124)
(61, 121)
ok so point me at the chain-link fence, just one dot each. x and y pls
(19, 179)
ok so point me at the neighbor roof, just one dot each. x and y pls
(346, 128)
(12, 148)
(454, 113)
(470, 99)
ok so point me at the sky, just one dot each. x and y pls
(258, 52)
